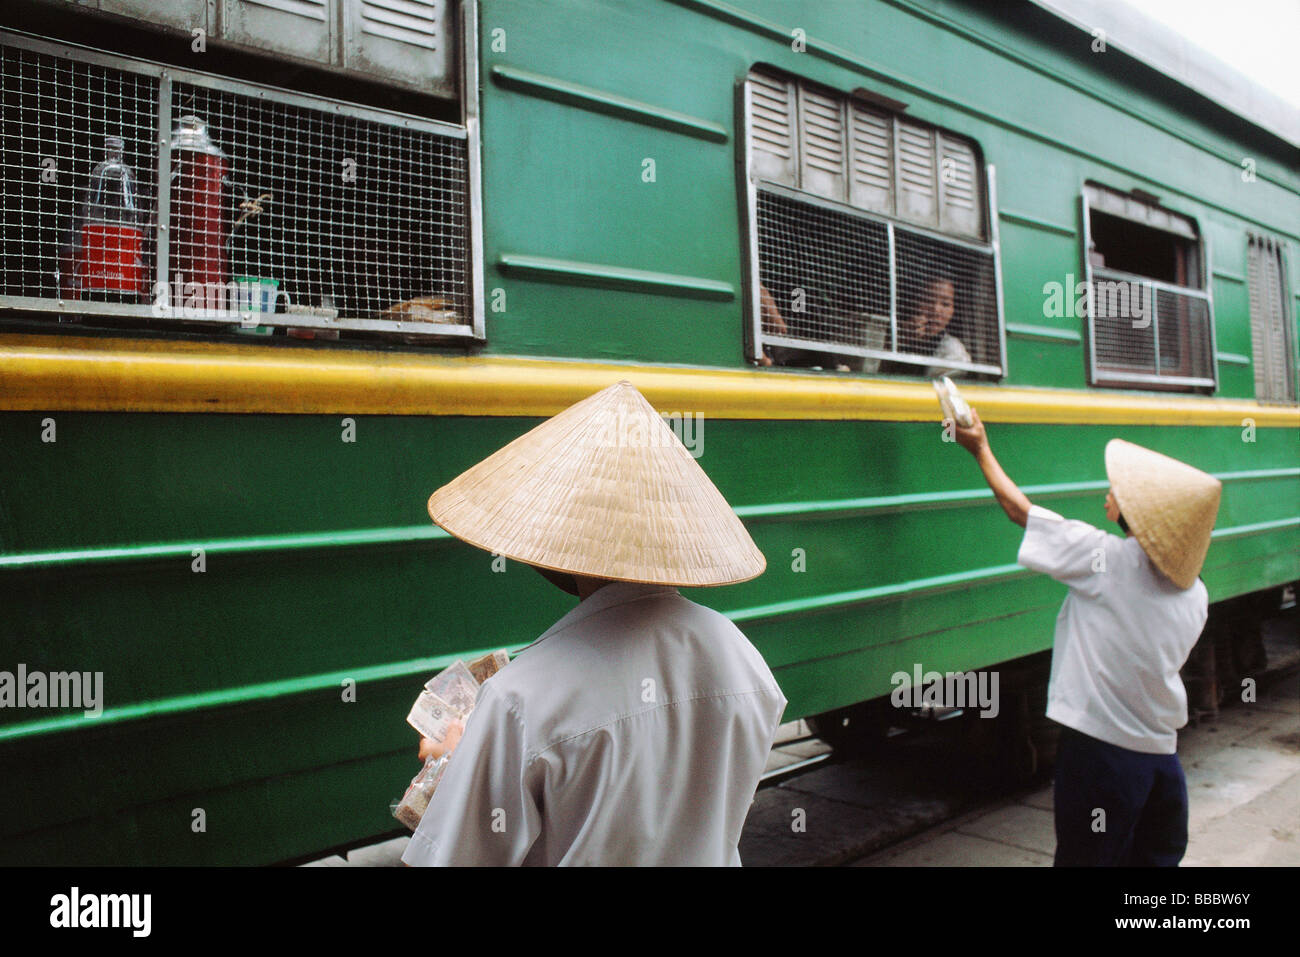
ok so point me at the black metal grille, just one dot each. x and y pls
(353, 215)
(359, 216)
(55, 115)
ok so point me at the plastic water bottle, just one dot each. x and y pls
(110, 257)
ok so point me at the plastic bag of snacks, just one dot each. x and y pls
(954, 406)
(447, 700)
(410, 809)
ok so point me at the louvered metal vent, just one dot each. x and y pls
(872, 160)
(410, 21)
(959, 179)
(821, 144)
(917, 184)
(410, 43)
(299, 28)
(312, 9)
(1272, 346)
(772, 129)
(841, 148)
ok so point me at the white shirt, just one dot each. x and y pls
(633, 731)
(950, 349)
(1122, 635)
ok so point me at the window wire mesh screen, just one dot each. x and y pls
(826, 276)
(342, 216)
(825, 281)
(1145, 330)
(1123, 334)
(1183, 326)
(343, 213)
(947, 301)
(56, 116)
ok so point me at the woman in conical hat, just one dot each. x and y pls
(1134, 611)
(639, 714)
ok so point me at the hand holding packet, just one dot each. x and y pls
(447, 700)
(950, 400)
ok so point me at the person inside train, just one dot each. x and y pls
(774, 323)
(1134, 610)
(926, 327)
(635, 729)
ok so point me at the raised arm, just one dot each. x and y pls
(975, 441)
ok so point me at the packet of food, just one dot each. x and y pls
(456, 686)
(950, 400)
(433, 717)
(485, 667)
(410, 809)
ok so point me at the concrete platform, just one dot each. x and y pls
(1243, 780)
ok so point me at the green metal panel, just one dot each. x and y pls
(199, 667)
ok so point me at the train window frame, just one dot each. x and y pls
(1271, 321)
(1146, 212)
(984, 241)
(415, 320)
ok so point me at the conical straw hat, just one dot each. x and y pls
(1169, 506)
(604, 489)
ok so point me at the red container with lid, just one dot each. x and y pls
(199, 228)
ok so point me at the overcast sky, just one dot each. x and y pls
(1259, 38)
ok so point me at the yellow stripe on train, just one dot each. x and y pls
(67, 373)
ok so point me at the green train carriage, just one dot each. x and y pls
(222, 511)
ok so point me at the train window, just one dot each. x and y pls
(165, 196)
(1150, 316)
(871, 247)
(1270, 333)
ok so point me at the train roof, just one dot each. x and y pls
(1163, 49)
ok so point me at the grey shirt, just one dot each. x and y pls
(632, 732)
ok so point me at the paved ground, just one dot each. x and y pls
(927, 799)
(1243, 781)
